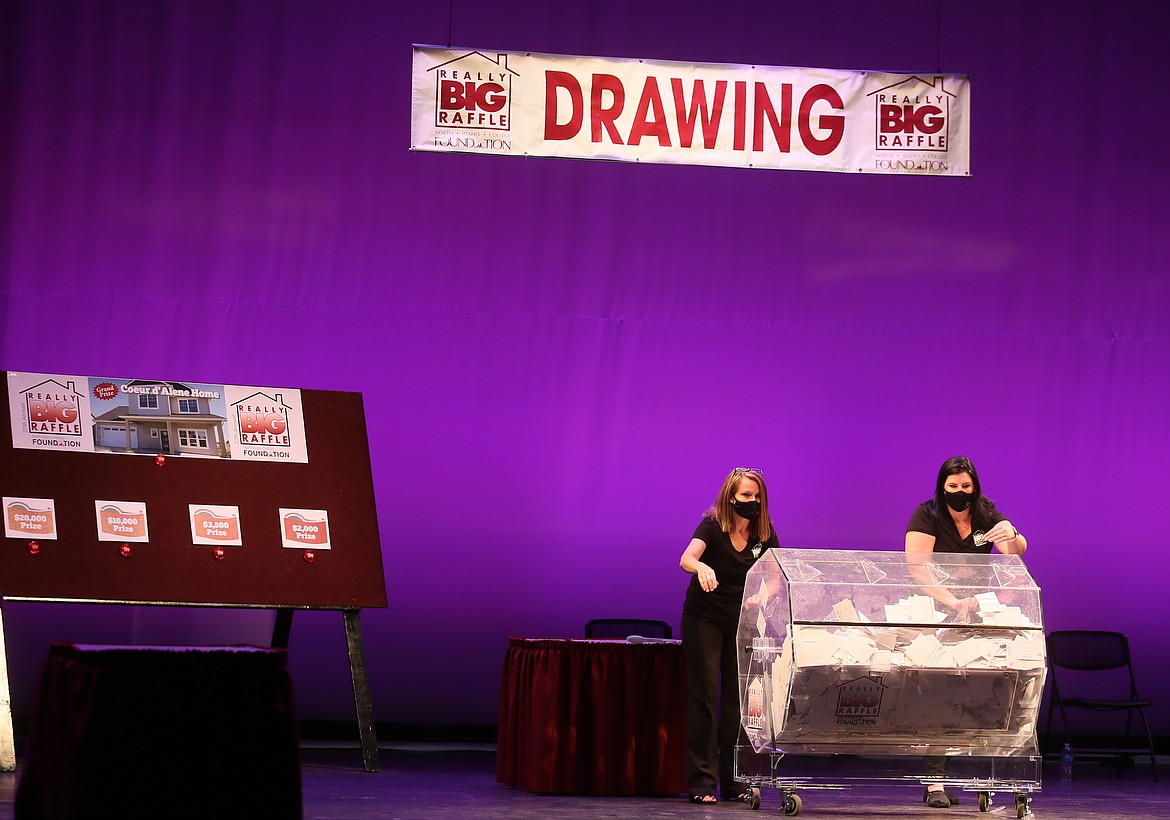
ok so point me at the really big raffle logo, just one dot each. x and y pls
(913, 115)
(859, 701)
(267, 424)
(913, 118)
(263, 420)
(49, 411)
(473, 101)
(54, 408)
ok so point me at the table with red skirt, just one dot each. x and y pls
(592, 717)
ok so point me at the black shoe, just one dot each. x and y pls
(939, 798)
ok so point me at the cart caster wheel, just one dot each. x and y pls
(1021, 805)
(984, 801)
(792, 804)
(753, 799)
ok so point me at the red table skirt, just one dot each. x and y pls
(592, 717)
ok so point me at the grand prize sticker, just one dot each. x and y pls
(121, 521)
(215, 524)
(30, 518)
(303, 529)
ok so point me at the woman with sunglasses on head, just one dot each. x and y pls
(732, 535)
(959, 518)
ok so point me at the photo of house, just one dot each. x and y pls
(172, 418)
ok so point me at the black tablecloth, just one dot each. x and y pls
(141, 731)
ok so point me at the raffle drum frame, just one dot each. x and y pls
(860, 666)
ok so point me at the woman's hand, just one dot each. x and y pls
(690, 563)
(1007, 538)
(963, 608)
(1001, 532)
(707, 578)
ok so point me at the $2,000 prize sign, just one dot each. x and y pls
(631, 110)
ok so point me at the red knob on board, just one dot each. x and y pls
(310, 556)
(160, 459)
(34, 547)
(219, 553)
(125, 550)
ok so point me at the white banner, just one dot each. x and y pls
(92, 414)
(630, 110)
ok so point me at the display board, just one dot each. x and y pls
(170, 563)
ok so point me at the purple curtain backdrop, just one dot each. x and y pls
(561, 360)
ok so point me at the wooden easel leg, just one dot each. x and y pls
(361, 689)
(7, 741)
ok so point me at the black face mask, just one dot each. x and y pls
(746, 509)
(959, 501)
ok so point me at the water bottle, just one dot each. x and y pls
(1066, 763)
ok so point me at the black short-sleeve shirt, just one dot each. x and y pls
(723, 603)
(946, 536)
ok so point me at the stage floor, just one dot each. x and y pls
(448, 780)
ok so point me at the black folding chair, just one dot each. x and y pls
(624, 627)
(1092, 671)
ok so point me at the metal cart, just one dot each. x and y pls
(862, 666)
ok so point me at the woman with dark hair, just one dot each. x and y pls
(734, 532)
(958, 519)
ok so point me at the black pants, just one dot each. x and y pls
(712, 706)
(936, 766)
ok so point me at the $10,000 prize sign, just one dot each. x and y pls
(548, 105)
